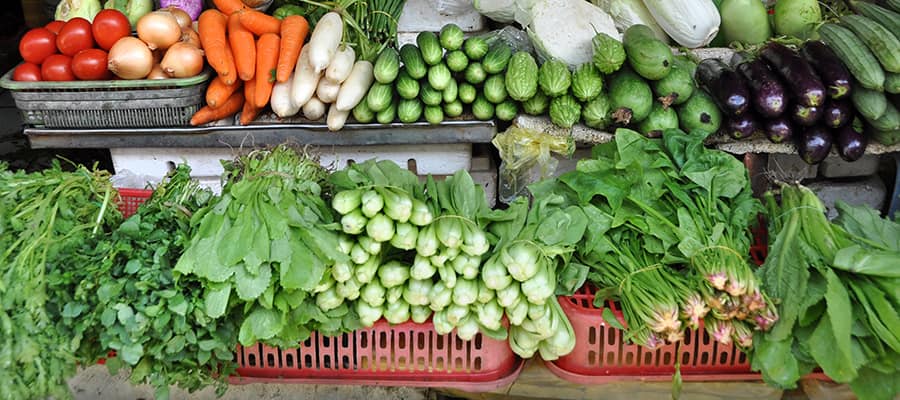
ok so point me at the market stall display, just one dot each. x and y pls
(635, 264)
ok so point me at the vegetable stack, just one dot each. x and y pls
(836, 287)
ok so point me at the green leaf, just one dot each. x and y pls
(131, 227)
(873, 385)
(824, 348)
(840, 314)
(610, 318)
(208, 265)
(131, 353)
(178, 305)
(867, 223)
(216, 299)
(859, 260)
(562, 227)
(776, 362)
(305, 269)
(133, 266)
(260, 324)
(785, 276)
(571, 278)
(72, 310)
(248, 286)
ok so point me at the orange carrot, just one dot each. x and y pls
(218, 92)
(250, 110)
(293, 33)
(266, 59)
(229, 6)
(243, 46)
(260, 23)
(208, 114)
(211, 27)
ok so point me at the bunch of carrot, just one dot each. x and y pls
(250, 51)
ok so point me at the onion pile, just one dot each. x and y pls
(166, 46)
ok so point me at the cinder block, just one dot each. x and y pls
(422, 15)
(836, 167)
(868, 191)
(790, 167)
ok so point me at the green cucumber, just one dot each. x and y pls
(388, 115)
(431, 49)
(699, 113)
(892, 82)
(521, 76)
(856, 56)
(409, 111)
(451, 92)
(661, 118)
(495, 89)
(362, 113)
(453, 108)
(890, 121)
(887, 18)
(675, 88)
(506, 110)
(412, 61)
(630, 97)
(649, 56)
(466, 93)
(431, 96)
(439, 76)
(379, 97)
(407, 87)
(475, 48)
(497, 58)
(452, 37)
(387, 66)
(457, 61)
(871, 104)
(434, 114)
(482, 108)
(883, 44)
(475, 73)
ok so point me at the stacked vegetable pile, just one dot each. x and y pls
(439, 83)
(837, 284)
(102, 48)
(46, 220)
(667, 235)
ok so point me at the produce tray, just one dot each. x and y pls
(109, 104)
(407, 354)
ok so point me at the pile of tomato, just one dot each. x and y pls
(72, 50)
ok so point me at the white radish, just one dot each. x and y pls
(281, 101)
(314, 109)
(305, 80)
(341, 64)
(327, 91)
(356, 86)
(324, 41)
(336, 118)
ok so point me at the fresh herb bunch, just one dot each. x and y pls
(837, 289)
(45, 219)
(263, 247)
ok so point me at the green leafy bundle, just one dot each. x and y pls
(45, 220)
(667, 235)
(837, 289)
(140, 308)
(264, 246)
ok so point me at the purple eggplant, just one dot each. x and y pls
(837, 113)
(796, 73)
(767, 93)
(727, 87)
(851, 143)
(834, 74)
(814, 144)
(742, 126)
(779, 129)
(805, 116)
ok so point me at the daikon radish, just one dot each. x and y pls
(281, 101)
(336, 118)
(314, 109)
(356, 86)
(305, 79)
(327, 91)
(324, 41)
(341, 64)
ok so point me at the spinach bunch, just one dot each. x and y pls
(667, 235)
(263, 247)
(45, 220)
(837, 285)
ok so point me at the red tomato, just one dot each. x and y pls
(55, 26)
(75, 36)
(37, 45)
(57, 67)
(90, 65)
(109, 26)
(27, 72)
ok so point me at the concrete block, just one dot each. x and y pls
(868, 191)
(836, 167)
(423, 15)
(790, 167)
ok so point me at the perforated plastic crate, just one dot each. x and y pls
(108, 104)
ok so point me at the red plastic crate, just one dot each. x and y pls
(408, 354)
(602, 353)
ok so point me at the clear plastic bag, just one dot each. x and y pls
(453, 7)
(526, 158)
(514, 37)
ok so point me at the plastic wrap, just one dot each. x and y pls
(453, 7)
(513, 37)
(526, 158)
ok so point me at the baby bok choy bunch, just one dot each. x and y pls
(262, 249)
(382, 214)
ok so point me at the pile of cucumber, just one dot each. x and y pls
(436, 78)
